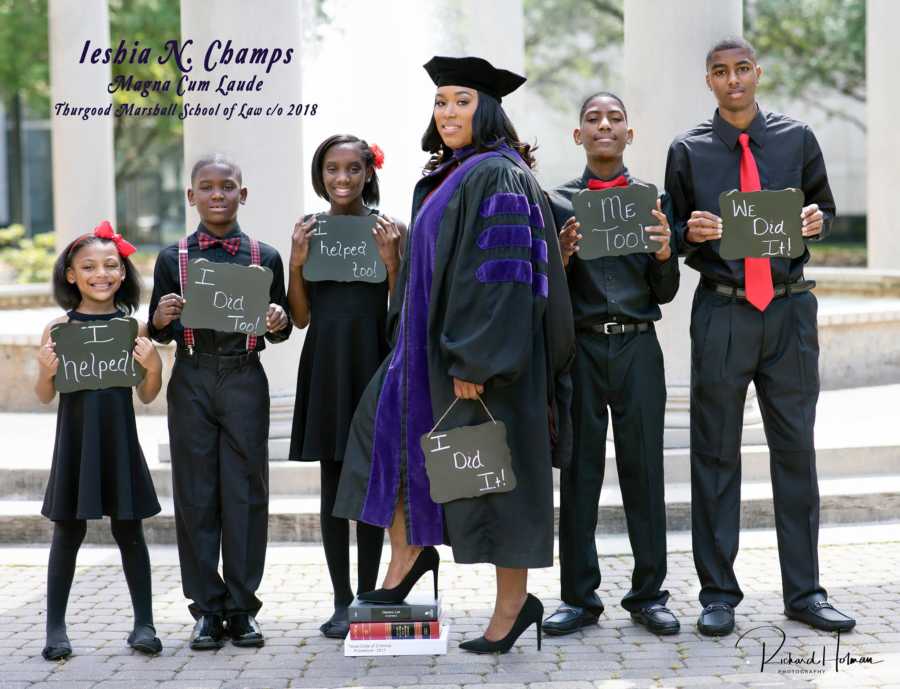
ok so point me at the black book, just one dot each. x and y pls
(416, 608)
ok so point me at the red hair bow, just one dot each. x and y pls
(105, 231)
(379, 155)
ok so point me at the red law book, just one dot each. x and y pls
(378, 631)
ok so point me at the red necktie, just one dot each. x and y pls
(757, 271)
(596, 184)
(207, 241)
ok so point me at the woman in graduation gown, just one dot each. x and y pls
(481, 308)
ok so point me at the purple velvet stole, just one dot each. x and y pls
(404, 410)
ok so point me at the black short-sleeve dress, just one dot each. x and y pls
(98, 467)
(344, 346)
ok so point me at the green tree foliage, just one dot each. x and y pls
(24, 55)
(812, 51)
(565, 42)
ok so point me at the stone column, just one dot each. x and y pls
(665, 92)
(83, 159)
(268, 148)
(883, 145)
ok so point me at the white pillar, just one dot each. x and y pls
(268, 148)
(883, 144)
(662, 104)
(83, 160)
(393, 39)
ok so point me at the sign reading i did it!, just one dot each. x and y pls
(226, 297)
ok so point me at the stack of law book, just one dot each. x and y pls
(412, 627)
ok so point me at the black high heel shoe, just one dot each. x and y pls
(531, 613)
(427, 560)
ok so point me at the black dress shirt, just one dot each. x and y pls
(705, 161)
(625, 289)
(165, 281)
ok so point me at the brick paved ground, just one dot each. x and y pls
(861, 576)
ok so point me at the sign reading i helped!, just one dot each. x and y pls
(761, 224)
(613, 221)
(226, 297)
(95, 355)
(343, 249)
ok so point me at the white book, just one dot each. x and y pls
(398, 647)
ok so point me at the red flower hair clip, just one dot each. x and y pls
(379, 155)
(105, 231)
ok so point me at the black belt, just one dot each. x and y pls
(216, 361)
(613, 328)
(788, 289)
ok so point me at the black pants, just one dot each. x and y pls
(623, 374)
(218, 433)
(336, 541)
(733, 343)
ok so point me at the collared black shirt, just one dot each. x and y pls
(626, 289)
(705, 161)
(165, 281)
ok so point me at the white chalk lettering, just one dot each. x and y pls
(94, 329)
(439, 447)
(203, 278)
(462, 461)
(221, 300)
(743, 208)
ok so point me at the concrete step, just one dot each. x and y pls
(301, 479)
(847, 500)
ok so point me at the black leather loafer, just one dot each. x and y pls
(338, 626)
(717, 619)
(823, 615)
(658, 619)
(144, 639)
(244, 631)
(208, 634)
(568, 619)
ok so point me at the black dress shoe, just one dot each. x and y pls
(244, 631)
(568, 619)
(427, 561)
(822, 615)
(658, 619)
(717, 619)
(57, 650)
(531, 613)
(144, 639)
(208, 634)
(338, 626)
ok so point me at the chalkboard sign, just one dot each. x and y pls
(226, 297)
(467, 462)
(96, 354)
(613, 221)
(758, 224)
(343, 249)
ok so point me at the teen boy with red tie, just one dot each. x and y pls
(751, 320)
(219, 418)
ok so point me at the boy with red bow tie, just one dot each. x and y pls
(618, 369)
(219, 418)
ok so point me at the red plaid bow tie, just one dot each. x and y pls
(207, 241)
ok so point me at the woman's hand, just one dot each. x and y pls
(146, 355)
(466, 390)
(387, 237)
(303, 230)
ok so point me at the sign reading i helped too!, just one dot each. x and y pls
(343, 249)
(226, 297)
(95, 355)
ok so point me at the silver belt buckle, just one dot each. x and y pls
(607, 328)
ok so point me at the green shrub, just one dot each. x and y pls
(30, 258)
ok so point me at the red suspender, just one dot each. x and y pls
(182, 279)
(254, 261)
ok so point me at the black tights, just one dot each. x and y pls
(67, 538)
(336, 541)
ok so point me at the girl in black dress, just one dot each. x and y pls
(98, 467)
(345, 343)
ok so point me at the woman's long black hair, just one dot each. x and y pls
(491, 127)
